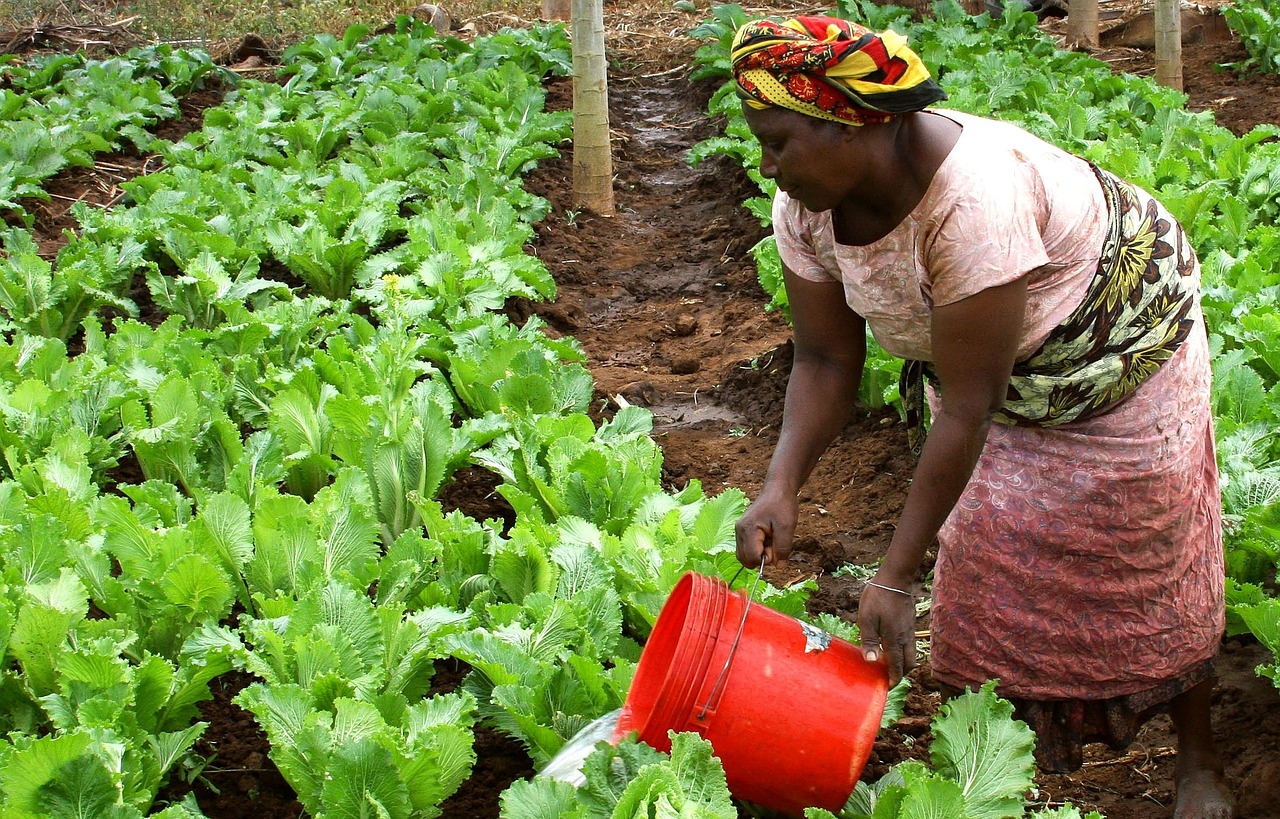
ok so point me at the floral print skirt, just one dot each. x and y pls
(1084, 561)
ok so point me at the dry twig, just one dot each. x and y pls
(1143, 756)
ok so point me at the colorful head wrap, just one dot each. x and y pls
(831, 69)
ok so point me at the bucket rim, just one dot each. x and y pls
(694, 623)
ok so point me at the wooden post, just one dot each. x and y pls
(592, 159)
(1082, 24)
(1168, 21)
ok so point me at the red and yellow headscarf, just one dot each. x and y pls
(831, 69)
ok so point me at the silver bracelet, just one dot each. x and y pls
(889, 588)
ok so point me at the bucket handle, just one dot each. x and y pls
(714, 695)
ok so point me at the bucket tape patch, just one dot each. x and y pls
(815, 639)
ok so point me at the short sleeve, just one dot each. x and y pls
(793, 231)
(989, 234)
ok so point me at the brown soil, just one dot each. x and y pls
(664, 299)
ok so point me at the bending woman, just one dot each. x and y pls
(1051, 313)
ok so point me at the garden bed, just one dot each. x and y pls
(664, 300)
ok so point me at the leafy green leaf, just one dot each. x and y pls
(362, 782)
(540, 799)
(979, 746)
(343, 516)
(691, 784)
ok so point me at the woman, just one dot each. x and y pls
(1068, 475)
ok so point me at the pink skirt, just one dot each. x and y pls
(1085, 561)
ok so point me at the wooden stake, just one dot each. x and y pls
(1082, 24)
(592, 159)
(1168, 21)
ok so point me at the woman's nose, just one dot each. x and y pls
(768, 167)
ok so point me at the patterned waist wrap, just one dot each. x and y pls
(1140, 306)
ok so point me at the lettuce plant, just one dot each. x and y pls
(1251, 609)
(114, 720)
(1258, 27)
(560, 465)
(546, 661)
(632, 780)
(343, 701)
(43, 299)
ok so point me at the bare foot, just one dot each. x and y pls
(1202, 794)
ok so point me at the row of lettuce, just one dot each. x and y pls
(63, 110)
(254, 482)
(250, 480)
(1225, 188)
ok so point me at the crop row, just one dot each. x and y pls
(62, 109)
(1258, 26)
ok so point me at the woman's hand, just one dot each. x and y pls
(887, 623)
(765, 530)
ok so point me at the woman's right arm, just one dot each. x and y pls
(830, 351)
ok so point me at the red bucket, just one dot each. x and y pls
(792, 712)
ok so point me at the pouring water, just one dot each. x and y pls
(566, 765)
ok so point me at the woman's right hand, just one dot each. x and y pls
(765, 531)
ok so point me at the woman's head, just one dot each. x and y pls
(830, 69)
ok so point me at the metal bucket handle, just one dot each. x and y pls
(713, 697)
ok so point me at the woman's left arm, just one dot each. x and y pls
(975, 343)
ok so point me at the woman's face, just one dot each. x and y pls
(813, 160)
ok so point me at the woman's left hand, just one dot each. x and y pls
(975, 342)
(887, 623)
